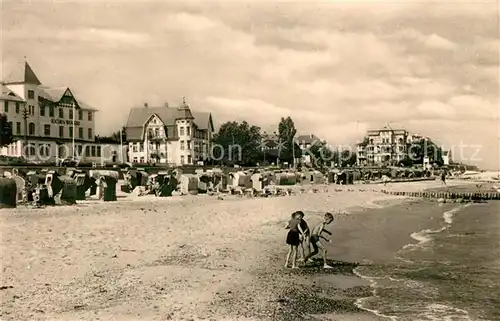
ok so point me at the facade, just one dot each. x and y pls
(305, 142)
(383, 146)
(48, 121)
(169, 135)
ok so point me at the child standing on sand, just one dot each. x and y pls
(316, 239)
(305, 241)
(293, 238)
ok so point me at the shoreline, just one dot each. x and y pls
(195, 258)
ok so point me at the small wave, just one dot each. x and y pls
(448, 215)
(442, 312)
(373, 284)
(424, 236)
(434, 311)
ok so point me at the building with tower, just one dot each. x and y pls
(169, 135)
(48, 123)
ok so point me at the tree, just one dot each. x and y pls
(114, 138)
(286, 134)
(6, 137)
(237, 143)
(425, 148)
(322, 154)
(348, 158)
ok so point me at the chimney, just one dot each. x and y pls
(146, 105)
(166, 104)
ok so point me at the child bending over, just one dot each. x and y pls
(316, 237)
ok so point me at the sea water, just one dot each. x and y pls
(449, 273)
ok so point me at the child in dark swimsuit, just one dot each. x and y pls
(293, 238)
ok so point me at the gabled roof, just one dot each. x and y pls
(138, 117)
(7, 94)
(53, 94)
(307, 139)
(22, 74)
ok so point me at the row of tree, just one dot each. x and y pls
(246, 145)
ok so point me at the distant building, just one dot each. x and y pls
(447, 157)
(169, 135)
(383, 146)
(305, 142)
(45, 119)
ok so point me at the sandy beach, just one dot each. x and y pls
(191, 258)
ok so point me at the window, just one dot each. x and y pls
(44, 150)
(18, 108)
(134, 148)
(181, 131)
(80, 150)
(31, 94)
(80, 132)
(80, 115)
(6, 106)
(31, 149)
(189, 144)
(189, 158)
(89, 132)
(135, 160)
(42, 111)
(18, 128)
(61, 131)
(182, 145)
(182, 159)
(61, 112)
(90, 116)
(98, 150)
(51, 111)
(188, 130)
(62, 151)
(70, 130)
(46, 130)
(93, 151)
(71, 114)
(31, 129)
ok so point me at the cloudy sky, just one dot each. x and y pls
(337, 68)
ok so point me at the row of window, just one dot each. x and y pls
(139, 147)
(183, 159)
(47, 130)
(31, 111)
(44, 150)
(196, 134)
(387, 141)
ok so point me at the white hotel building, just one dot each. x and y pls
(43, 124)
(169, 135)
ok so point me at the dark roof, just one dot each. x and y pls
(54, 94)
(138, 117)
(7, 94)
(307, 139)
(22, 74)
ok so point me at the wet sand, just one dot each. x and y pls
(186, 258)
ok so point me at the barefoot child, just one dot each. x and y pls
(293, 238)
(316, 239)
(305, 240)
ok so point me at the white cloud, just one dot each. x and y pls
(437, 42)
(435, 109)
